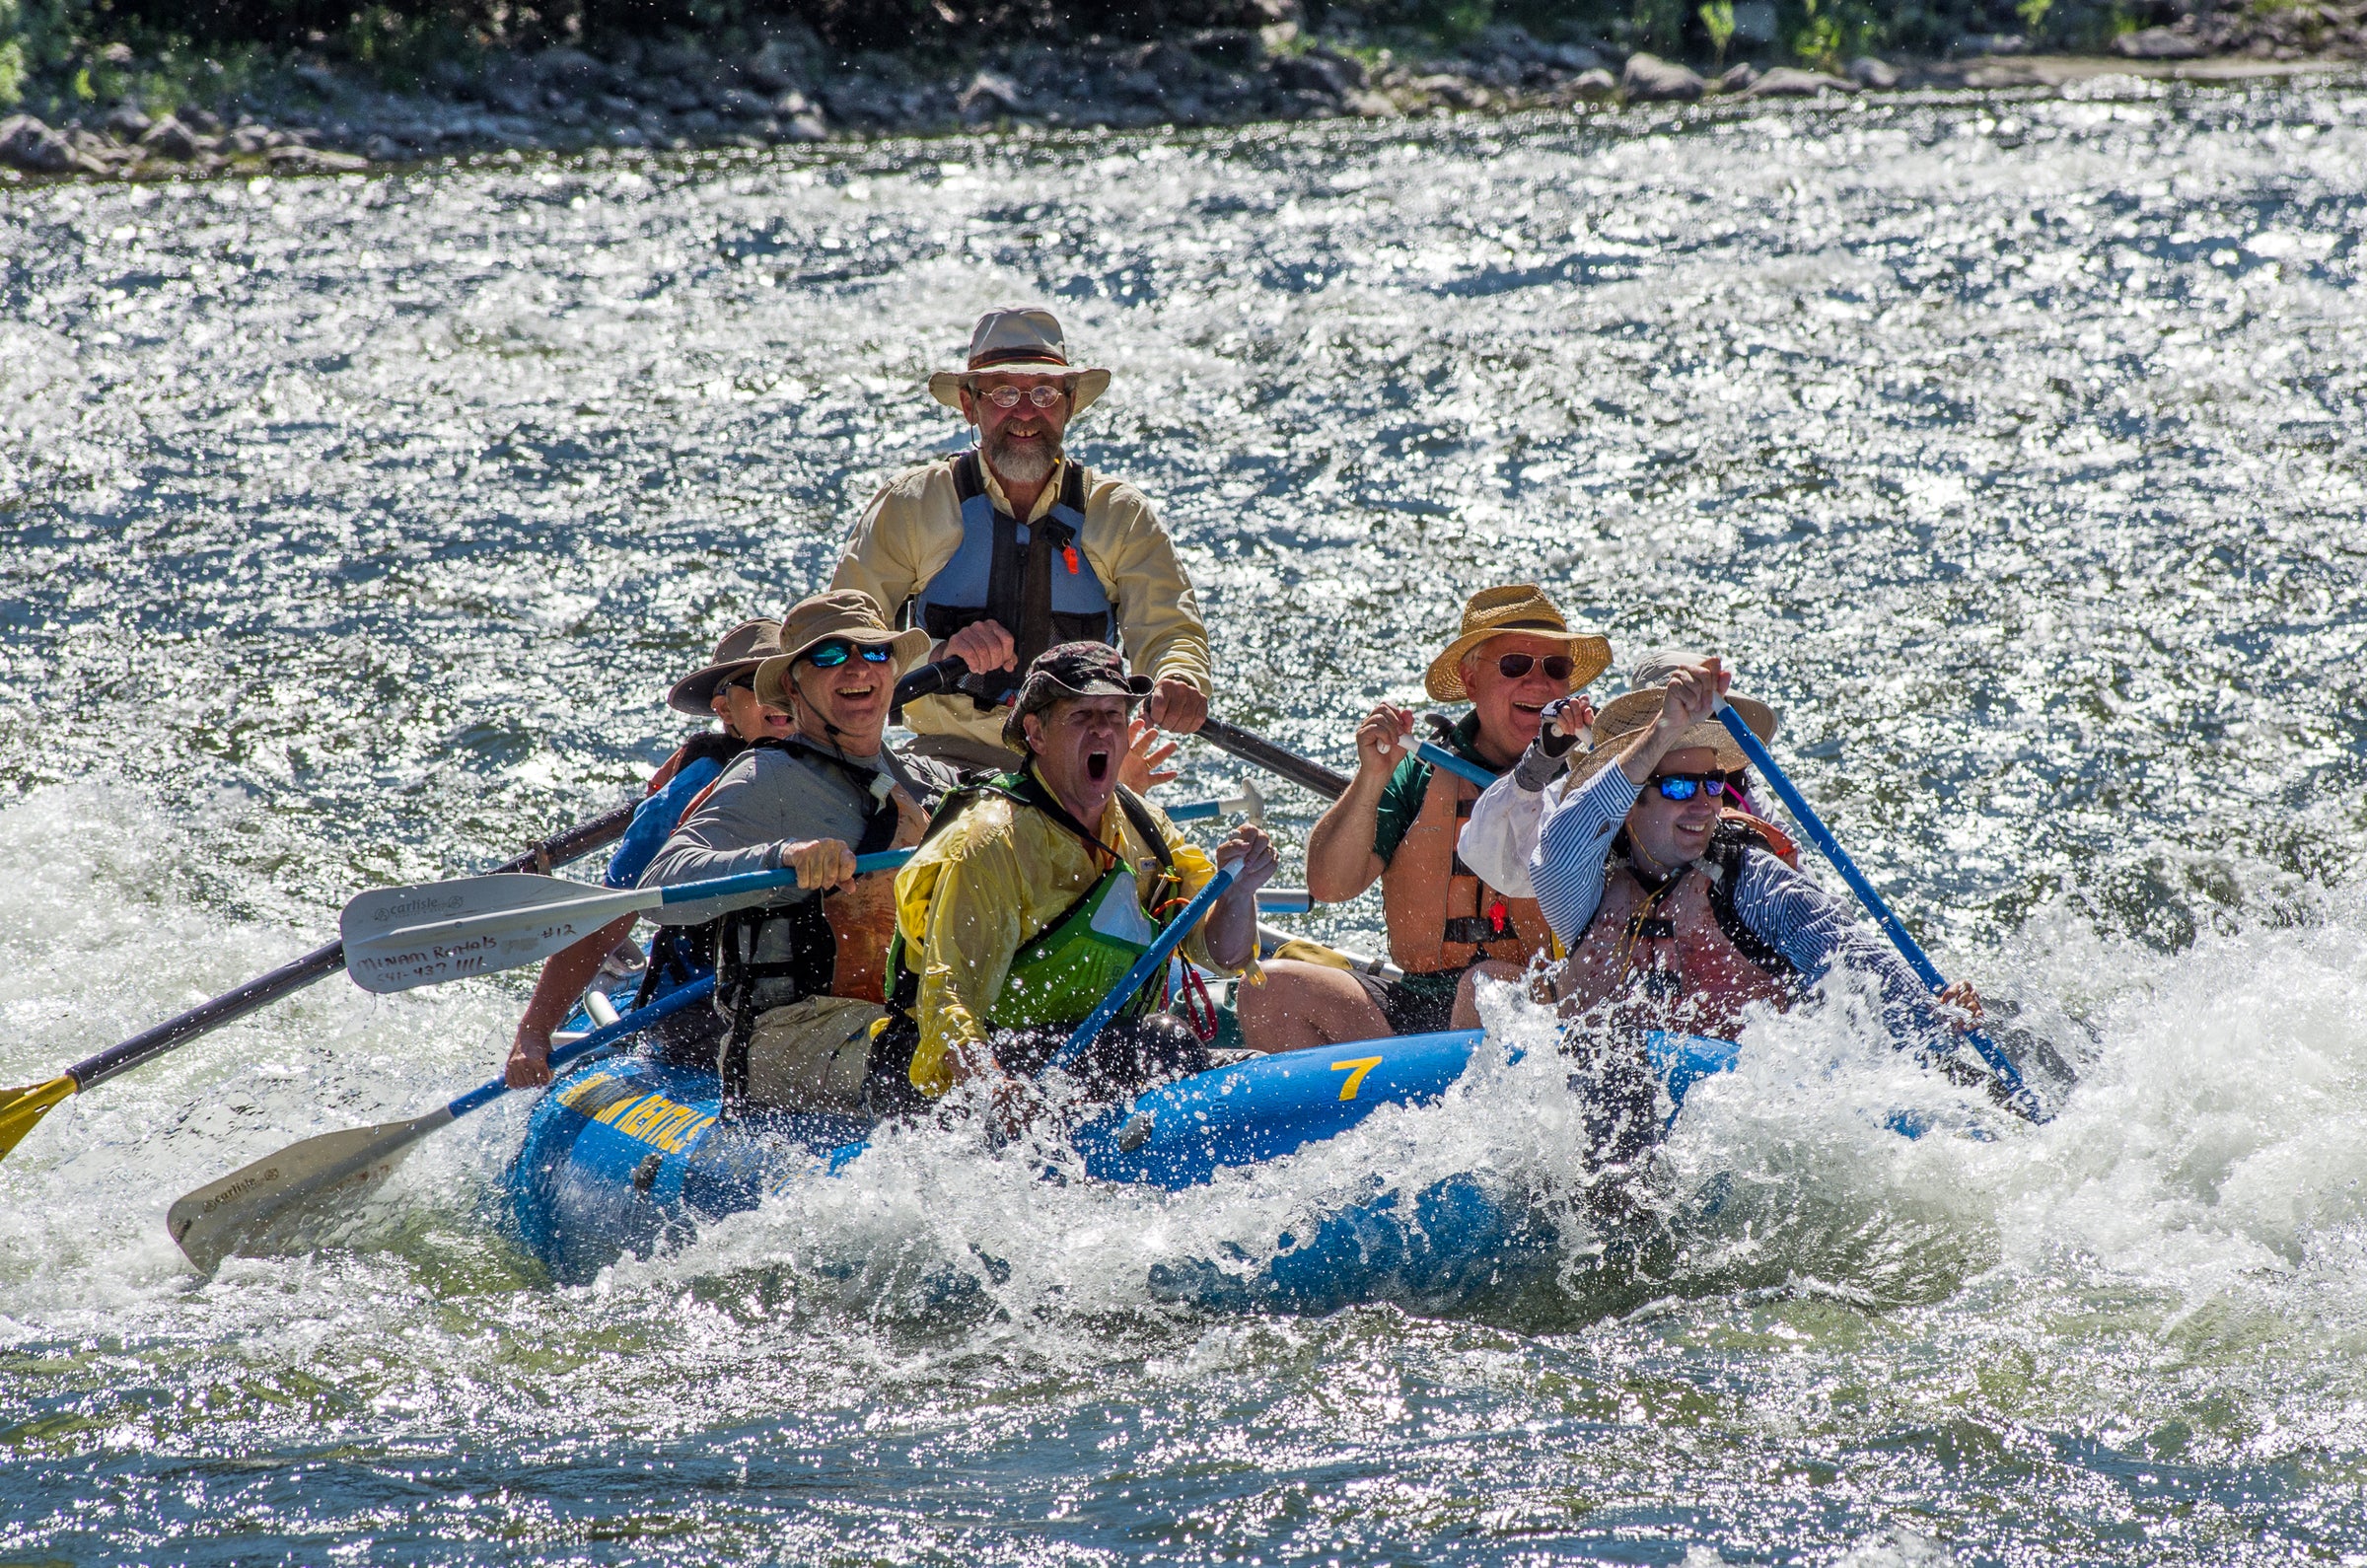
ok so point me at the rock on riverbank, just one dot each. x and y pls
(679, 95)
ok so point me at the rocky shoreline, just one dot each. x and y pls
(680, 97)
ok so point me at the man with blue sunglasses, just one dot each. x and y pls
(800, 975)
(1677, 909)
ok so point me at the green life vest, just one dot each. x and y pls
(1062, 972)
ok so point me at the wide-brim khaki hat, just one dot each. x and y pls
(1521, 609)
(1635, 711)
(743, 649)
(846, 613)
(1021, 340)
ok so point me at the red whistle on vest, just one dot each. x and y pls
(1068, 554)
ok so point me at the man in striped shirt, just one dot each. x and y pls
(1678, 915)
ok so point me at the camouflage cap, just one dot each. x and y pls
(1071, 669)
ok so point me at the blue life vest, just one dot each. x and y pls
(1031, 579)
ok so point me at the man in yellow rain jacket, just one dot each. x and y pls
(1006, 549)
(1035, 892)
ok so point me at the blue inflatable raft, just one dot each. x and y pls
(627, 1154)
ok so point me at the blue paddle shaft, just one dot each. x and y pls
(1154, 958)
(1438, 755)
(631, 1023)
(748, 881)
(1900, 938)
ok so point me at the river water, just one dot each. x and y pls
(2016, 450)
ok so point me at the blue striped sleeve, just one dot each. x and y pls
(1817, 932)
(1573, 846)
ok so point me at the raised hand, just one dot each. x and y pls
(1381, 737)
(1146, 750)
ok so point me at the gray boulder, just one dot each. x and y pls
(1737, 78)
(1597, 83)
(2158, 44)
(128, 121)
(170, 138)
(1789, 81)
(1867, 71)
(27, 143)
(989, 94)
(1649, 79)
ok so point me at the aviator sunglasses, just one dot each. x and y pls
(1557, 666)
(1008, 397)
(1684, 786)
(830, 655)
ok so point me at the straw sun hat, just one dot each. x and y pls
(1518, 608)
(1021, 341)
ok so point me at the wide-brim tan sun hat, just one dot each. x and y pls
(1521, 609)
(1635, 711)
(846, 613)
(744, 648)
(1021, 340)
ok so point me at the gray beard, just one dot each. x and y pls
(1031, 464)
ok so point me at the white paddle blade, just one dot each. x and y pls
(400, 937)
(277, 1204)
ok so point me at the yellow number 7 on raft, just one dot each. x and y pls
(1355, 1068)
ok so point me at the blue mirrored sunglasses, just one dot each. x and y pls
(1684, 786)
(830, 655)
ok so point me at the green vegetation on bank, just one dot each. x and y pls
(63, 57)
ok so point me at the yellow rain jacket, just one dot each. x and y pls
(984, 886)
(913, 526)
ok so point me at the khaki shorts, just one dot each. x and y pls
(812, 1055)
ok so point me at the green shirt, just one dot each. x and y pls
(1401, 804)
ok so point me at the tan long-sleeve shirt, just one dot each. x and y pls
(913, 526)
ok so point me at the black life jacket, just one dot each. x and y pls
(778, 954)
(1028, 578)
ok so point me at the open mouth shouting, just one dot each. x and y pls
(1097, 765)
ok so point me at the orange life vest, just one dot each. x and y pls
(1441, 916)
(1676, 956)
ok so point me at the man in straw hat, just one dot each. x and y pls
(800, 973)
(1679, 910)
(725, 687)
(1008, 548)
(1035, 893)
(1397, 824)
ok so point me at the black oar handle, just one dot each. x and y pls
(264, 989)
(926, 681)
(1265, 754)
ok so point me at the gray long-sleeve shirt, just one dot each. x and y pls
(1790, 913)
(768, 797)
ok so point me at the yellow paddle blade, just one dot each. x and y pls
(21, 1109)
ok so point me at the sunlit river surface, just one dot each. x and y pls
(2017, 450)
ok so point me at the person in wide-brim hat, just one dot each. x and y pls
(1021, 340)
(1521, 607)
(741, 650)
(841, 615)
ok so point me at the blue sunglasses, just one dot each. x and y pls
(830, 655)
(1684, 786)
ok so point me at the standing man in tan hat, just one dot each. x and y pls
(1011, 547)
(726, 688)
(1397, 824)
(799, 974)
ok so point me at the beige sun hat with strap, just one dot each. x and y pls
(846, 613)
(1517, 607)
(1635, 711)
(743, 649)
(1021, 340)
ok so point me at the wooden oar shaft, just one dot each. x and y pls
(319, 963)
